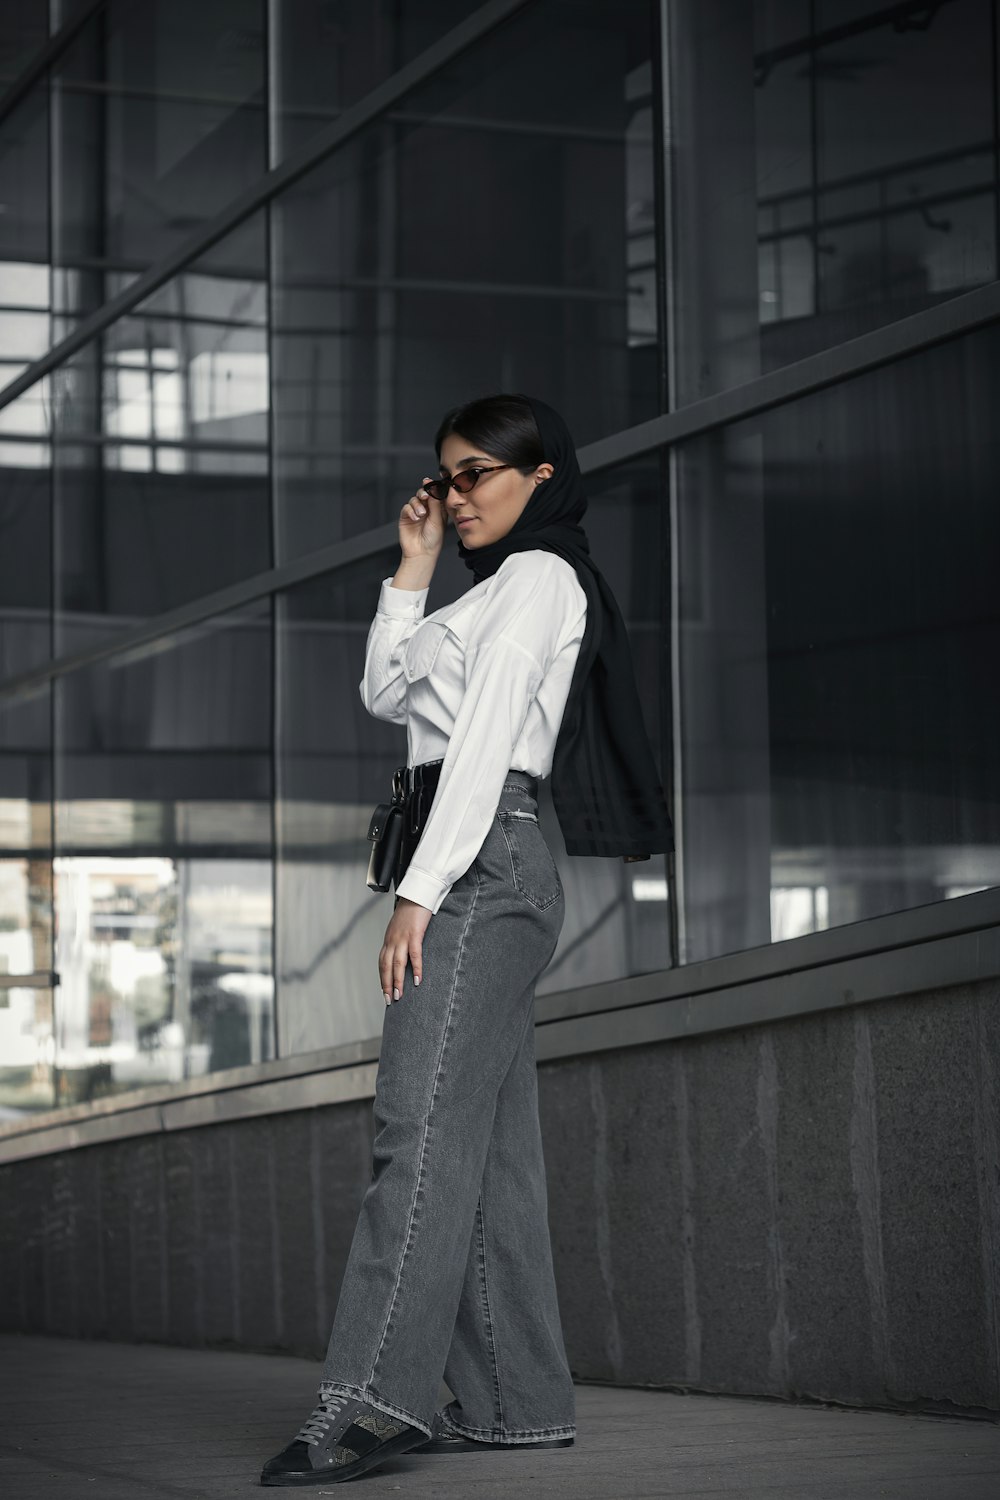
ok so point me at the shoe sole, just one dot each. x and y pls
(471, 1445)
(402, 1443)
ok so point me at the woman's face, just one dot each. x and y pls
(495, 501)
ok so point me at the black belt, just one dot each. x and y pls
(396, 826)
(414, 787)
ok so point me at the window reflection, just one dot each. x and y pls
(26, 1016)
(158, 120)
(834, 171)
(26, 1019)
(494, 230)
(839, 634)
(831, 168)
(161, 454)
(164, 969)
(327, 57)
(24, 270)
(27, 1052)
(23, 32)
(163, 864)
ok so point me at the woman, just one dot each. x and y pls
(528, 673)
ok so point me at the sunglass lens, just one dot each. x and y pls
(438, 488)
(464, 480)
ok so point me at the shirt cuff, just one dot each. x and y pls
(402, 604)
(422, 887)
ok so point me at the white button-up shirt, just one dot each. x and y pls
(481, 682)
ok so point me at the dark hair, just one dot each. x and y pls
(503, 426)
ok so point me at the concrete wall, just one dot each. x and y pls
(809, 1207)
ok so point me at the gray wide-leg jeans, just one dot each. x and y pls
(450, 1268)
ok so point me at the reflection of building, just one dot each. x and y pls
(241, 277)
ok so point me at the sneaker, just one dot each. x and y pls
(443, 1440)
(342, 1438)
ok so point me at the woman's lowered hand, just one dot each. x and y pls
(404, 942)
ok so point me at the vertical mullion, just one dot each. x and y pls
(271, 23)
(670, 740)
(53, 686)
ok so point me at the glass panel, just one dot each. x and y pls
(327, 57)
(495, 231)
(25, 453)
(28, 1078)
(839, 634)
(25, 534)
(161, 476)
(833, 172)
(24, 238)
(163, 860)
(26, 780)
(25, 911)
(27, 1081)
(23, 33)
(159, 120)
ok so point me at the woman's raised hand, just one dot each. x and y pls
(421, 524)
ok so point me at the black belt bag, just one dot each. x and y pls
(396, 826)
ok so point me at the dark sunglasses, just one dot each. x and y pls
(464, 481)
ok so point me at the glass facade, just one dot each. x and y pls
(249, 254)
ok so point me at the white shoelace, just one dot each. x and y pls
(318, 1424)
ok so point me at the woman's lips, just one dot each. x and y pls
(466, 520)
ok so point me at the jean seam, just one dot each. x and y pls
(365, 1393)
(423, 1139)
(510, 855)
(491, 1336)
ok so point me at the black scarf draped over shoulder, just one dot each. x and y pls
(606, 789)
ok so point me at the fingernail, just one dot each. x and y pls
(416, 979)
(395, 994)
(386, 996)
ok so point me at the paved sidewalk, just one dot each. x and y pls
(148, 1422)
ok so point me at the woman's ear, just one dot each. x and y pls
(544, 471)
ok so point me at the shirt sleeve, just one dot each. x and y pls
(510, 649)
(383, 687)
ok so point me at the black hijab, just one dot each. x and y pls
(605, 785)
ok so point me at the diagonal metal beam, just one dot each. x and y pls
(218, 602)
(908, 336)
(46, 55)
